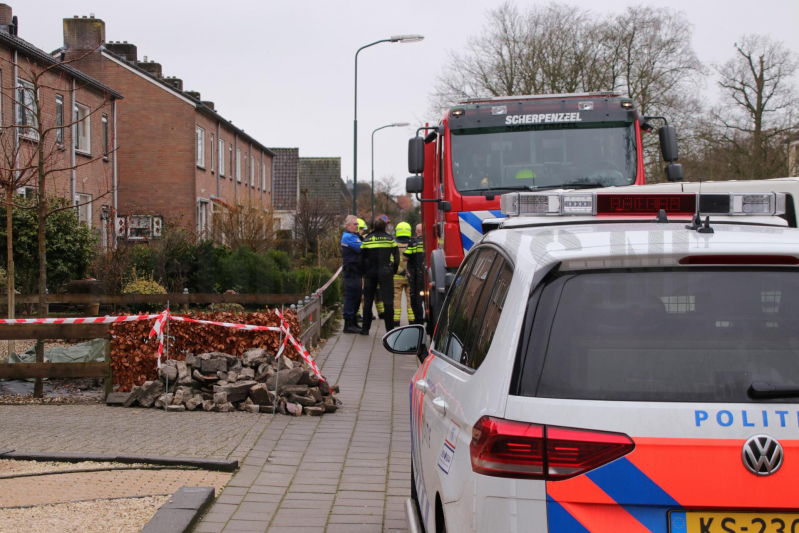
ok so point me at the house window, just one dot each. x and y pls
(84, 203)
(252, 172)
(263, 177)
(29, 193)
(105, 136)
(26, 110)
(200, 147)
(59, 119)
(230, 158)
(140, 227)
(202, 217)
(221, 157)
(82, 129)
(246, 175)
(212, 153)
(238, 165)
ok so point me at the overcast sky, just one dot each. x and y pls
(283, 71)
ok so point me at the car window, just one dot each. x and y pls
(676, 335)
(493, 302)
(454, 294)
(459, 346)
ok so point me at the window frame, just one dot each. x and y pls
(25, 88)
(238, 165)
(59, 119)
(202, 216)
(105, 137)
(252, 171)
(221, 158)
(263, 177)
(211, 152)
(501, 254)
(86, 124)
(200, 147)
(86, 200)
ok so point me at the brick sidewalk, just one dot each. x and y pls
(344, 472)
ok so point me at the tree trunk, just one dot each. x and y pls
(42, 219)
(10, 263)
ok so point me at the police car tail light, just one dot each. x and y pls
(505, 448)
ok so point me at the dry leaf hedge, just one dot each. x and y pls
(134, 356)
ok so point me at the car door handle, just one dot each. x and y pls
(421, 385)
(440, 405)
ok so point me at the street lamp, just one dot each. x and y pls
(394, 125)
(392, 39)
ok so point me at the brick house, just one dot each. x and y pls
(320, 179)
(83, 148)
(179, 159)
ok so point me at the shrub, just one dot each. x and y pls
(144, 286)
(226, 308)
(306, 280)
(248, 272)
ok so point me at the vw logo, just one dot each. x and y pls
(762, 455)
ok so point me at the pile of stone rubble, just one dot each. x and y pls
(221, 382)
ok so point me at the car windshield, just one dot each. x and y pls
(672, 335)
(602, 154)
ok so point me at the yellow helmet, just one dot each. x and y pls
(361, 224)
(403, 229)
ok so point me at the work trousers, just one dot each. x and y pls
(378, 303)
(401, 285)
(416, 285)
(385, 295)
(352, 295)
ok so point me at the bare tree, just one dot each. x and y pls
(248, 225)
(759, 110)
(37, 150)
(314, 218)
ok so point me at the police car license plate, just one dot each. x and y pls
(732, 522)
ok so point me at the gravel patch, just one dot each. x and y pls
(101, 516)
(11, 467)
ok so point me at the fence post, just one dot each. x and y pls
(109, 380)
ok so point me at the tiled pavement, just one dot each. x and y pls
(343, 472)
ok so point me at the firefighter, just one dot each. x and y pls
(402, 235)
(362, 231)
(379, 303)
(351, 264)
(415, 257)
(379, 262)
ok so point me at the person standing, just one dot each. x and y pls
(379, 262)
(351, 264)
(402, 235)
(415, 256)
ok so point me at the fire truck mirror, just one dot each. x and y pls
(674, 172)
(444, 205)
(430, 137)
(668, 143)
(414, 184)
(416, 155)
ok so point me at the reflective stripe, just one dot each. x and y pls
(379, 244)
(471, 226)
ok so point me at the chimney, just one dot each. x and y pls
(151, 67)
(5, 17)
(83, 34)
(123, 50)
(177, 83)
(194, 94)
(209, 105)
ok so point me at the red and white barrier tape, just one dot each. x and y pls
(322, 289)
(160, 323)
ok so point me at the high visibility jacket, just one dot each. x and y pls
(414, 254)
(379, 256)
(402, 245)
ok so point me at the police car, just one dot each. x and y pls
(612, 362)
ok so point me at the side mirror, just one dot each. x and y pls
(414, 184)
(416, 155)
(406, 340)
(668, 143)
(674, 172)
(430, 137)
(443, 205)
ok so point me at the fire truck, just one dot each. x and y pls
(483, 148)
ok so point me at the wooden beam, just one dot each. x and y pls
(54, 331)
(53, 370)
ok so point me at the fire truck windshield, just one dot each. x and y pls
(543, 157)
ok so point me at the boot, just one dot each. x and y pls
(366, 325)
(351, 327)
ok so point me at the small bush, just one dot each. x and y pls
(306, 280)
(226, 308)
(144, 286)
(248, 272)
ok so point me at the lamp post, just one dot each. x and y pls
(393, 125)
(392, 39)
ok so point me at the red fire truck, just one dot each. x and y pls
(483, 148)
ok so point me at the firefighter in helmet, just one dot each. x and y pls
(415, 261)
(402, 235)
(379, 262)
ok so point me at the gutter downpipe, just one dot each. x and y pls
(74, 184)
(116, 178)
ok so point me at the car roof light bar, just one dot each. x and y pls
(567, 203)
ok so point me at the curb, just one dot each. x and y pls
(181, 512)
(218, 465)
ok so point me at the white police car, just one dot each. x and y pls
(599, 369)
